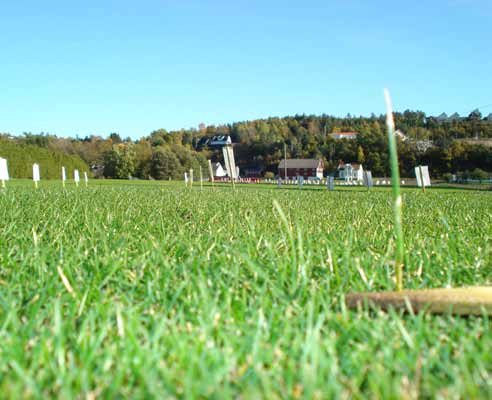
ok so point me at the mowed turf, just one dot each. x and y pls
(152, 290)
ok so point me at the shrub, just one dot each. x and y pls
(20, 158)
(479, 174)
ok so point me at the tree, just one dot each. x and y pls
(115, 138)
(375, 164)
(119, 163)
(41, 140)
(479, 174)
(475, 115)
(159, 137)
(143, 157)
(360, 155)
(165, 164)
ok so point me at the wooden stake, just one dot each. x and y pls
(458, 301)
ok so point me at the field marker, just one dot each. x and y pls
(422, 175)
(211, 172)
(35, 174)
(4, 171)
(86, 179)
(228, 154)
(368, 180)
(330, 183)
(76, 177)
(64, 176)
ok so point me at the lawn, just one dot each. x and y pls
(152, 290)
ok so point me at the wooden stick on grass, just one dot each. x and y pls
(459, 301)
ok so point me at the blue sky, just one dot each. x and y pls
(130, 67)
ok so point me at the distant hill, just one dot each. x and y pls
(21, 156)
(477, 142)
(451, 144)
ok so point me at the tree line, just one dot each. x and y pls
(458, 145)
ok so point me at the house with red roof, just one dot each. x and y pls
(308, 168)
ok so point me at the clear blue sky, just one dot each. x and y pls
(127, 66)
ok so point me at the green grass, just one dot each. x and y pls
(172, 292)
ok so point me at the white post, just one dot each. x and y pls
(86, 179)
(76, 177)
(64, 176)
(35, 174)
(4, 171)
(211, 172)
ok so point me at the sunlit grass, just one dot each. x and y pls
(218, 293)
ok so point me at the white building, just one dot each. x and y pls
(309, 168)
(219, 171)
(220, 140)
(350, 171)
(344, 135)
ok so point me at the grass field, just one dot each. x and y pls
(152, 290)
